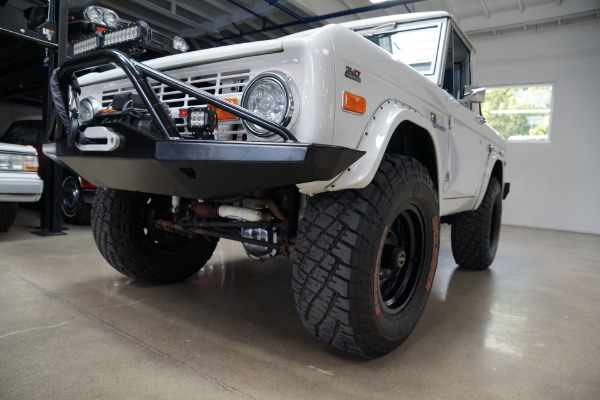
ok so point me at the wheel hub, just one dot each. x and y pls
(399, 258)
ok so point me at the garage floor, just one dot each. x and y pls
(73, 328)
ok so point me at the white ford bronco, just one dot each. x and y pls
(344, 146)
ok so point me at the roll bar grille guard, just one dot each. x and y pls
(138, 74)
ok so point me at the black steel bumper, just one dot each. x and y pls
(205, 169)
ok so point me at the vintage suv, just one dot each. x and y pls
(345, 146)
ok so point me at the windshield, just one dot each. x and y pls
(417, 47)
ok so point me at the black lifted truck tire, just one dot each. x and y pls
(8, 214)
(123, 227)
(475, 234)
(74, 208)
(365, 259)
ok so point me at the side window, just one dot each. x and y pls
(457, 73)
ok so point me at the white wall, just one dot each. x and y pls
(554, 185)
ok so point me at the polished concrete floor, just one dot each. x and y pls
(73, 328)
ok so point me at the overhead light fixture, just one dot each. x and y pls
(378, 1)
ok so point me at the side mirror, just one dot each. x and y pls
(474, 94)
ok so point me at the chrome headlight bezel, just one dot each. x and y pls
(89, 105)
(285, 83)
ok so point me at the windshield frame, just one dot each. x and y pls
(433, 74)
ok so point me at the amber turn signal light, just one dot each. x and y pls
(222, 114)
(354, 103)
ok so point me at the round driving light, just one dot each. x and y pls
(88, 107)
(110, 18)
(93, 14)
(268, 97)
(180, 44)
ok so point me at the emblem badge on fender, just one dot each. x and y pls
(353, 74)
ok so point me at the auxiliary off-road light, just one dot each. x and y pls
(130, 38)
(88, 44)
(88, 107)
(202, 121)
(101, 16)
(137, 34)
(180, 44)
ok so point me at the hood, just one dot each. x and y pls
(192, 58)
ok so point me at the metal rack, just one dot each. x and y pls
(52, 35)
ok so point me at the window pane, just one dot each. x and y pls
(519, 114)
(416, 47)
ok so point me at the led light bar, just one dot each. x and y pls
(88, 44)
(130, 38)
(113, 37)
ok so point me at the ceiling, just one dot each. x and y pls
(210, 23)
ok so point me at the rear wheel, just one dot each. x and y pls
(123, 228)
(475, 234)
(365, 259)
(8, 214)
(74, 208)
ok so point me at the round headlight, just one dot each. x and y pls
(180, 44)
(269, 97)
(88, 107)
(110, 18)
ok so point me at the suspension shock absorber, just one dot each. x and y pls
(211, 210)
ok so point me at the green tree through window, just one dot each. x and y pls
(519, 113)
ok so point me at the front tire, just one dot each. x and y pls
(8, 214)
(123, 228)
(365, 259)
(475, 234)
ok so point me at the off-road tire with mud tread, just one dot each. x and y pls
(123, 228)
(344, 248)
(8, 214)
(475, 234)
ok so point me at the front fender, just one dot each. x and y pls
(374, 142)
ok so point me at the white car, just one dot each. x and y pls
(346, 146)
(19, 180)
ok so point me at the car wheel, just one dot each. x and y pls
(365, 259)
(124, 231)
(475, 234)
(8, 214)
(74, 208)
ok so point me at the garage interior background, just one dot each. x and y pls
(554, 185)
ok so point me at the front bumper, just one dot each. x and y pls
(20, 187)
(204, 169)
(138, 158)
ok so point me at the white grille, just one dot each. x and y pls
(224, 84)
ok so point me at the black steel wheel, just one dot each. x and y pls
(125, 233)
(402, 251)
(75, 210)
(365, 259)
